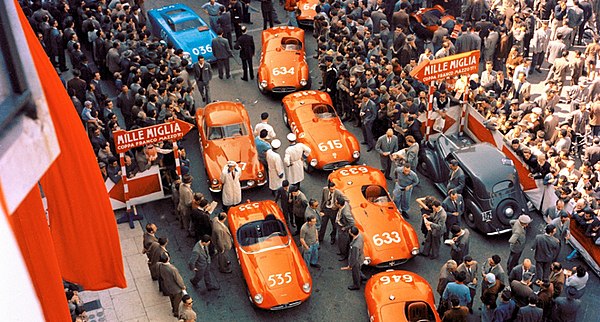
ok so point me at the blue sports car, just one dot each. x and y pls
(179, 25)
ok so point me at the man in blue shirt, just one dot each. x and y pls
(212, 10)
(457, 289)
(262, 146)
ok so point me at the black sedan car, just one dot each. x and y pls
(492, 193)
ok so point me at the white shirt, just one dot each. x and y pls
(265, 126)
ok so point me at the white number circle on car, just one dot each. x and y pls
(396, 278)
(386, 238)
(249, 206)
(356, 170)
(279, 279)
(282, 71)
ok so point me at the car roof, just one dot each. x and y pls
(225, 113)
(177, 13)
(479, 159)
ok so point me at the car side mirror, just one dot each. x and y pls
(363, 205)
(278, 49)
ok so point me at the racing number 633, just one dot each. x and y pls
(386, 238)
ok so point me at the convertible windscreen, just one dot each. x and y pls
(323, 111)
(255, 232)
(226, 131)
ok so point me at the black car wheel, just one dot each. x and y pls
(469, 218)
(307, 167)
(285, 117)
(505, 216)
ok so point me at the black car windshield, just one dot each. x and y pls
(262, 234)
(226, 131)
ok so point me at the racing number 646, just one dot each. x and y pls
(279, 279)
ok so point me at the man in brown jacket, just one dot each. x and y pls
(170, 282)
(222, 241)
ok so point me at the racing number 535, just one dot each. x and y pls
(280, 279)
(202, 50)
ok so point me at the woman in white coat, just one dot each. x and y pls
(232, 190)
(275, 166)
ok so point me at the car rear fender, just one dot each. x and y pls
(429, 165)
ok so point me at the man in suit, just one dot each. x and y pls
(492, 265)
(224, 22)
(222, 241)
(517, 240)
(236, 11)
(502, 84)
(199, 263)
(329, 210)
(521, 289)
(459, 245)
(222, 53)
(245, 44)
(283, 196)
(516, 274)
(555, 49)
(368, 114)
(154, 253)
(470, 267)
(186, 195)
(539, 45)
(530, 313)
(435, 225)
(546, 248)
(592, 153)
(344, 220)
(554, 211)
(203, 75)
(454, 206)
(149, 237)
(566, 308)
(521, 87)
(385, 146)
(170, 282)
(559, 70)
(456, 181)
(356, 258)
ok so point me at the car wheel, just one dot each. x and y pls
(423, 167)
(286, 120)
(469, 219)
(308, 84)
(307, 167)
(261, 90)
(507, 210)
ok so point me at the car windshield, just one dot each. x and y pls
(186, 25)
(263, 234)
(375, 194)
(289, 43)
(323, 111)
(226, 131)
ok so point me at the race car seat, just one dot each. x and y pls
(417, 311)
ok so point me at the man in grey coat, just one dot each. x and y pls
(203, 75)
(344, 220)
(356, 258)
(517, 240)
(222, 53)
(546, 249)
(385, 146)
(457, 178)
(199, 263)
(170, 282)
(435, 224)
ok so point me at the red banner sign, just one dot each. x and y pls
(170, 131)
(431, 70)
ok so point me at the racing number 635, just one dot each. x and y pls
(280, 279)
(386, 238)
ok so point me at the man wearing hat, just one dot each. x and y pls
(275, 166)
(330, 79)
(294, 159)
(409, 51)
(547, 248)
(517, 240)
(232, 190)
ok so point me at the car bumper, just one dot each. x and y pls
(392, 263)
(284, 89)
(285, 306)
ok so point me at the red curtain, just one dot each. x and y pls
(31, 231)
(82, 222)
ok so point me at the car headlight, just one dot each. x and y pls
(303, 82)
(306, 287)
(415, 251)
(258, 298)
(215, 182)
(509, 212)
(356, 154)
(263, 84)
(250, 183)
(313, 162)
(367, 260)
(260, 174)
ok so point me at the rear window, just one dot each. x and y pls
(503, 185)
(186, 25)
(227, 131)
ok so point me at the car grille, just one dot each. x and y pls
(284, 89)
(391, 263)
(335, 165)
(286, 306)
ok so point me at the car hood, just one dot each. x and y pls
(288, 60)
(193, 39)
(325, 130)
(239, 150)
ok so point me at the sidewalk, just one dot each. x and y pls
(141, 300)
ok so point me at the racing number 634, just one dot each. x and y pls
(282, 71)
(279, 279)
(386, 238)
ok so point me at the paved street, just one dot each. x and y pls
(330, 300)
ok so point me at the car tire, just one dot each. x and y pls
(469, 219)
(307, 167)
(424, 166)
(499, 211)
(262, 91)
(284, 115)
(308, 84)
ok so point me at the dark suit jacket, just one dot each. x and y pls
(205, 71)
(516, 274)
(245, 44)
(546, 248)
(283, 197)
(325, 196)
(357, 254)
(220, 47)
(224, 22)
(148, 240)
(530, 314)
(457, 181)
(451, 208)
(169, 280)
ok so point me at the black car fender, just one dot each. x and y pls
(473, 210)
(429, 166)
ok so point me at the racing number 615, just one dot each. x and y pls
(330, 145)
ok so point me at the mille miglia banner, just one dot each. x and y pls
(431, 70)
(170, 131)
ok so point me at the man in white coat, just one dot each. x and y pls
(232, 190)
(293, 160)
(275, 166)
